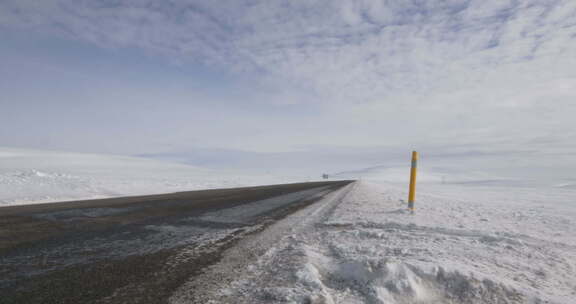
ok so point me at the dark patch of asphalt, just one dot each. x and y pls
(131, 249)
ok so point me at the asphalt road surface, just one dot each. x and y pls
(133, 249)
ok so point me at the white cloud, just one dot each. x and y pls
(479, 72)
(359, 50)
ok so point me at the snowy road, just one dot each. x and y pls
(305, 243)
(135, 249)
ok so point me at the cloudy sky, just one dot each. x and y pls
(317, 79)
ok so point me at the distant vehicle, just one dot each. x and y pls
(325, 176)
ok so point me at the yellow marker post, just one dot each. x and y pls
(412, 193)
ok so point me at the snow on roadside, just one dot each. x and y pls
(476, 250)
(35, 176)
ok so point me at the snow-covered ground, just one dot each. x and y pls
(475, 238)
(463, 245)
(36, 176)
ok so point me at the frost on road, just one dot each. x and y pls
(133, 249)
(360, 246)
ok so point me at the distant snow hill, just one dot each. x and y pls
(37, 176)
(395, 174)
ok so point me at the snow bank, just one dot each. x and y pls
(34, 176)
(463, 245)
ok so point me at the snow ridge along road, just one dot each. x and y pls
(360, 245)
(134, 249)
(240, 260)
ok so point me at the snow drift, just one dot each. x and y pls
(463, 245)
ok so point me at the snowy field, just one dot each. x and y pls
(464, 245)
(473, 239)
(36, 176)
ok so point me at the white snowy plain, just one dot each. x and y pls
(466, 243)
(37, 176)
(463, 245)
